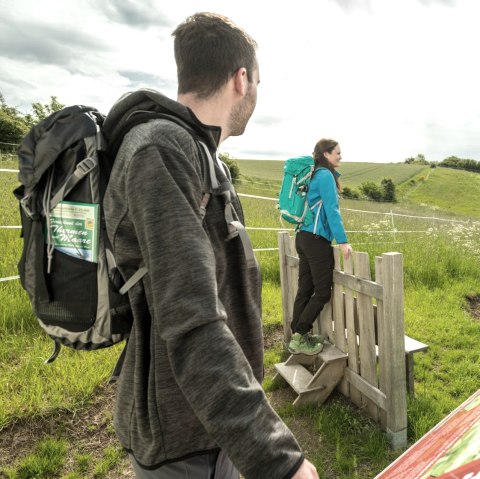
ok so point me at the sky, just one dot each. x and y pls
(388, 79)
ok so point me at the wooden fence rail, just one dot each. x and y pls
(365, 320)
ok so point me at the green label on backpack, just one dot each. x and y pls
(74, 229)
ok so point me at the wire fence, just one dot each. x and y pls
(390, 221)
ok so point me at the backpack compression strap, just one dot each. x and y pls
(235, 227)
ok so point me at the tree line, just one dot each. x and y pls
(450, 162)
(14, 124)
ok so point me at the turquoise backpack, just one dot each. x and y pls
(292, 204)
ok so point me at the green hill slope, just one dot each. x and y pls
(453, 191)
(353, 174)
(420, 188)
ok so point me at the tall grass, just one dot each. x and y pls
(441, 269)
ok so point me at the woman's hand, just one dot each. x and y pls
(346, 250)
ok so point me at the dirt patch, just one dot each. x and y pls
(88, 431)
(302, 427)
(474, 306)
(273, 335)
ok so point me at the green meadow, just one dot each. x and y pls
(353, 174)
(435, 225)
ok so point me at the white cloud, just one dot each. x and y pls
(388, 79)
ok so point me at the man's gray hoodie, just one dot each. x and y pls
(190, 383)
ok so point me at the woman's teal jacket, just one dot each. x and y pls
(323, 200)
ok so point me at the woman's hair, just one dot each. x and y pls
(325, 145)
(209, 48)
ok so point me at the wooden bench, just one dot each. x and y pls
(412, 346)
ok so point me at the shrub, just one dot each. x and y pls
(350, 193)
(371, 191)
(388, 190)
(232, 166)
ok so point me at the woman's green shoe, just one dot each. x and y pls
(304, 344)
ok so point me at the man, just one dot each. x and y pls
(189, 401)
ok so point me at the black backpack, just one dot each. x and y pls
(67, 265)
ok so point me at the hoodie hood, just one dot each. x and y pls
(145, 103)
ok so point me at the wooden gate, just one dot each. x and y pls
(365, 321)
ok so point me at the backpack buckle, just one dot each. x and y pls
(85, 167)
(25, 205)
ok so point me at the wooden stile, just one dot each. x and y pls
(367, 339)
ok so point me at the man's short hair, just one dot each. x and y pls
(209, 49)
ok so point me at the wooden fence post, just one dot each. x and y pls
(382, 353)
(394, 337)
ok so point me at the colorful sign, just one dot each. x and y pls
(74, 229)
(451, 450)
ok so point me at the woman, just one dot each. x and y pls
(313, 244)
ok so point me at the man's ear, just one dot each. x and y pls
(241, 80)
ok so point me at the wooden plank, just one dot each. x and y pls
(352, 346)
(368, 359)
(369, 391)
(338, 310)
(292, 281)
(331, 354)
(322, 384)
(394, 337)
(382, 353)
(326, 322)
(295, 375)
(291, 286)
(292, 260)
(316, 395)
(370, 288)
(328, 375)
(283, 242)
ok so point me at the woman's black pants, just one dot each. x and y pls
(315, 275)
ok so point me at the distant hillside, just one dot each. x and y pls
(445, 190)
(455, 191)
(353, 174)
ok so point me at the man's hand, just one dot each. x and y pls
(307, 471)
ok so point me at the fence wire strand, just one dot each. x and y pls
(389, 214)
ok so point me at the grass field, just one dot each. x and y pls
(441, 269)
(353, 174)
